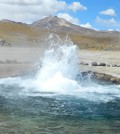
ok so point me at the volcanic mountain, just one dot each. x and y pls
(20, 34)
(59, 25)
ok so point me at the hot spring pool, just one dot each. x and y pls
(54, 101)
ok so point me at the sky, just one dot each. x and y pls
(93, 14)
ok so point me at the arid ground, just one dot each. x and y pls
(15, 61)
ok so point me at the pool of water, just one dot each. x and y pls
(23, 112)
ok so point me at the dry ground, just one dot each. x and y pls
(109, 57)
(14, 60)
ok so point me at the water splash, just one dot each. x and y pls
(60, 67)
(57, 75)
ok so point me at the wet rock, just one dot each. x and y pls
(84, 75)
(102, 64)
(115, 80)
(106, 77)
(94, 63)
(99, 76)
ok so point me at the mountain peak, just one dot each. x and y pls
(51, 21)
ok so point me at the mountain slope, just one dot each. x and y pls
(59, 24)
(85, 38)
(19, 34)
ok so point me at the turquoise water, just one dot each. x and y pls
(51, 113)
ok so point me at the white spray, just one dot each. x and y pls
(60, 67)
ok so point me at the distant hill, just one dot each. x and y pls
(20, 34)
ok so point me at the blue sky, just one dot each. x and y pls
(94, 14)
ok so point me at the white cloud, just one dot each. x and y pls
(32, 10)
(69, 18)
(109, 12)
(87, 25)
(76, 6)
(110, 30)
(29, 10)
(107, 22)
(74, 20)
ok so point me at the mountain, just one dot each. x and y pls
(85, 38)
(58, 24)
(20, 34)
(17, 34)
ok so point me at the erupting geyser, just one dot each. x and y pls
(60, 66)
(58, 75)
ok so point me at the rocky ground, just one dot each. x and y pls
(104, 64)
(101, 61)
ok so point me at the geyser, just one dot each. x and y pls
(58, 76)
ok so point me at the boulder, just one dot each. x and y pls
(86, 64)
(81, 63)
(114, 65)
(102, 64)
(115, 80)
(94, 63)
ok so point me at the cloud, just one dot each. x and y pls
(20, 2)
(107, 22)
(29, 10)
(87, 25)
(109, 12)
(76, 6)
(74, 20)
(69, 18)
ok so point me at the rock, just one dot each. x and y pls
(114, 65)
(108, 65)
(115, 80)
(99, 76)
(86, 64)
(102, 64)
(4, 43)
(107, 77)
(82, 63)
(94, 63)
(85, 75)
